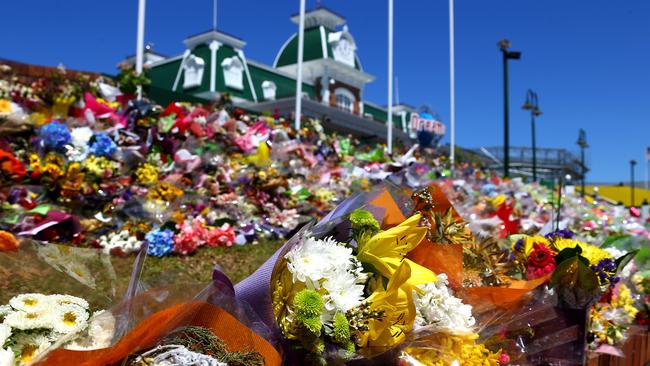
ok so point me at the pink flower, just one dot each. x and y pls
(192, 235)
(504, 358)
(221, 236)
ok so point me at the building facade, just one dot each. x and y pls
(334, 81)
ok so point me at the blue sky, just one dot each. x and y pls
(589, 60)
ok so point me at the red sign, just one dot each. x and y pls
(430, 125)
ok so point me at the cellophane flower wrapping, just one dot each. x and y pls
(51, 293)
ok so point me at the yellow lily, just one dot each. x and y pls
(387, 249)
(396, 302)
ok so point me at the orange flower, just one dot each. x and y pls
(8, 241)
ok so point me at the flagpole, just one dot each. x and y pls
(139, 52)
(647, 167)
(389, 122)
(452, 86)
(214, 15)
(301, 36)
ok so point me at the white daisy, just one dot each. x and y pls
(24, 320)
(80, 272)
(101, 328)
(69, 318)
(4, 310)
(5, 333)
(28, 346)
(60, 300)
(7, 357)
(439, 309)
(28, 302)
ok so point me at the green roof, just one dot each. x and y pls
(313, 48)
(380, 114)
(285, 86)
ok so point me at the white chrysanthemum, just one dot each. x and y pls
(24, 320)
(28, 346)
(314, 260)
(122, 240)
(345, 291)
(69, 318)
(59, 300)
(7, 357)
(5, 333)
(28, 302)
(439, 309)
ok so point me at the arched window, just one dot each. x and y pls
(344, 100)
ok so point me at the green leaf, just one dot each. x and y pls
(41, 209)
(568, 253)
(574, 274)
(623, 260)
(613, 240)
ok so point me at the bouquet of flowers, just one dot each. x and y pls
(30, 323)
(345, 290)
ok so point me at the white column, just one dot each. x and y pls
(452, 87)
(301, 36)
(139, 52)
(389, 122)
(214, 47)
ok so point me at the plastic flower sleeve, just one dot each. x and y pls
(151, 317)
(50, 268)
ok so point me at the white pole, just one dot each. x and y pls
(647, 167)
(396, 90)
(389, 122)
(452, 86)
(214, 15)
(139, 52)
(301, 36)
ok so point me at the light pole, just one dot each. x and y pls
(632, 164)
(504, 44)
(532, 105)
(582, 142)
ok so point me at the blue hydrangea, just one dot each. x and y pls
(54, 136)
(102, 145)
(161, 242)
